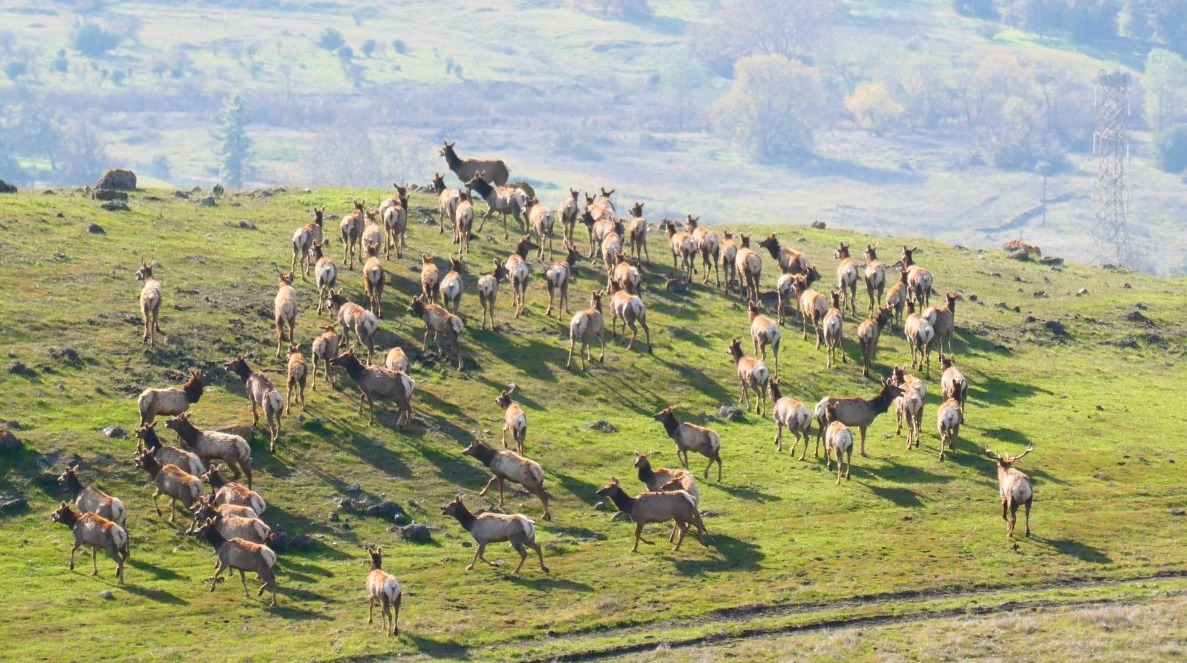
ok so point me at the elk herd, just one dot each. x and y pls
(227, 514)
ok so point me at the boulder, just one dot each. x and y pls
(9, 441)
(115, 432)
(116, 206)
(416, 533)
(730, 413)
(117, 179)
(385, 509)
(603, 426)
(109, 194)
(96, 229)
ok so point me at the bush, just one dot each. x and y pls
(1170, 149)
(331, 39)
(92, 40)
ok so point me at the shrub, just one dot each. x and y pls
(1170, 149)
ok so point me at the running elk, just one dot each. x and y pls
(284, 310)
(792, 414)
(90, 499)
(441, 324)
(262, 394)
(1015, 488)
(173, 400)
(351, 230)
(657, 507)
(585, 327)
(487, 528)
(507, 465)
(379, 382)
(846, 277)
(690, 437)
(303, 239)
(214, 445)
(752, 374)
(95, 532)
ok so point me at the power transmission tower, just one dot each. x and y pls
(1110, 233)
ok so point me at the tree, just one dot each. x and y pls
(1166, 87)
(92, 40)
(331, 39)
(766, 27)
(873, 107)
(1170, 149)
(770, 108)
(234, 147)
(81, 155)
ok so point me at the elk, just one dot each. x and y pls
(920, 335)
(838, 439)
(355, 318)
(507, 465)
(384, 588)
(90, 499)
(467, 169)
(298, 370)
(874, 275)
(378, 382)
(430, 278)
(611, 249)
(752, 374)
(729, 254)
(948, 421)
(515, 420)
(502, 199)
(953, 383)
(489, 528)
(785, 291)
(373, 279)
(397, 360)
(351, 230)
(395, 220)
(229, 492)
(325, 273)
(519, 271)
(248, 528)
(637, 234)
(170, 481)
(598, 229)
(567, 211)
(451, 286)
(186, 461)
(173, 400)
(557, 279)
(541, 220)
(708, 245)
(690, 437)
(909, 407)
(896, 298)
(868, 334)
(749, 267)
(440, 323)
(943, 321)
(683, 246)
(465, 221)
(239, 555)
(846, 277)
(303, 240)
(95, 532)
(790, 261)
(832, 326)
(630, 309)
(1015, 488)
(659, 507)
(207, 502)
(372, 240)
(662, 478)
(764, 331)
(284, 310)
(813, 305)
(325, 348)
(789, 413)
(488, 291)
(214, 445)
(626, 276)
(262, 394)
(447, 203)
(584, 327)
(150, 303)
(855, 411)
(919, 279)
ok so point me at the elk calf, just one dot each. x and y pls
(298, 370)
(384, 588)
(95, 532)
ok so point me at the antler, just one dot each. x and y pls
(1029, 448)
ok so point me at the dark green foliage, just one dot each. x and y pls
(92, 40)
(331, 40)
(1170, 149)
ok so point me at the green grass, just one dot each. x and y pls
(1098, 404)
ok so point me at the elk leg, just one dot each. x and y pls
(488, 485)
(371, 610)
(523, 555)
(396, 617)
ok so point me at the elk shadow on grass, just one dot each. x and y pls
(978, 344)
(1080, 551)
(157, 572)
(732, 555)
(158, 595)
(577, 532)
(895, 472)
(539, 356)
(548, 583)
(996, 391)
(582, 490)
(743, 492)
(446, 649)
(1019, 441)
(904, 497)
(452, 467)
(696, 379)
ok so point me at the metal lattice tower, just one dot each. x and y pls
(1110, 234)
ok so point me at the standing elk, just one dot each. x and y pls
(373, 281)
(395, 220)
(262, 394)
(585, 327)
(637, 234)
(790, 261)
(753, 375)
(874, 275)
(284, 310)
(568, 211)
(541, 220)
(451, 286)
(379, 382)
(789, 413)
(832, 328)
(846, 277)
(683, 247)
(518, 270)
(630, 309)
(447, 202)
(466, 169)
(150, 303)
(855, 411)
(749, 267)
(557, 279)
(488, 292)
(502, 199)
(1015, 488)
(919, 279)
(709, 247)
(764, 331)
(384, 588)
(868, 334)
(441, 324)
(351, 230)
(303, 239)
(354, 318)
(173, 400)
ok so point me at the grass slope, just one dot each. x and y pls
(1094, 399)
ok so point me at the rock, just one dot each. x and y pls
(117, 179)
(96, 229)
(181, 194)
(1081, 292)
(353, 488)
(603, 426)
(12, 424)
(1127, 286)
(401, 519)
(345, 504)
(333, 517)
(242, 225)
(730, 413)
(116, 206)
(385, 509)
(1132, 316)
(1179, 512)
(1018, 254)
(106, 595)
(1040, 294)
(621, 517)
(819, 225)
(218, 189)
(68, 356)
(346, 526)
(19, 368)
(416, 533)
(599, 506)
(9, 441)
(303, 543)
(207, 201)
(678, 284)
(14, 502)
(109, 194)
(115, 432)
(1051, 261)
(1055, 327)
(5, 187)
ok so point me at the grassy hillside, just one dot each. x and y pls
(1089, 387)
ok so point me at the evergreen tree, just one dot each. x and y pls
(234, 147)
